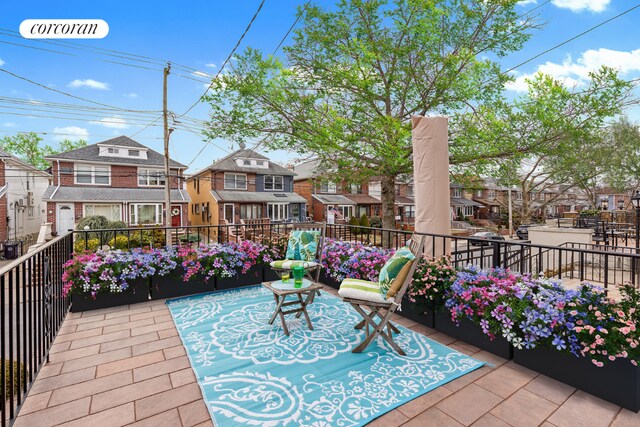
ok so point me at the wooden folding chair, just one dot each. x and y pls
(384, 311)
(312, 272)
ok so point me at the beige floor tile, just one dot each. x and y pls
(74, 354)
(63, 380)
(206, 424)
(35, 402)
(145, 315)
(101, 323)
(424, 402)
(432, 418)
(160, 368)
(59, 346)
(114, 417)
(467, 379)
(469, 404)
(55, 415)
(504, 380)
(166, 419)
(194, 413)
(156, 345)
(78, 335)
(182, 377)
(626, 418)
(392, 418)
(129, 363)
(166, 333)
(578, 411)
(130, 312)
(424, 330)
(104, 338)
(524, 408)
(95, 360)
(442, 338)
(488, 420)
(129, 393)
(173, 352)
(167, 400)
(128, 325)
(128, 342)
(89, 388)
(50, 370)
(490, 358)
(550, 389)
(153, 328)
(163, 318)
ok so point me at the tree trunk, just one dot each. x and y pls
(388, 189)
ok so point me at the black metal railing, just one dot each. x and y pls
(33, 309)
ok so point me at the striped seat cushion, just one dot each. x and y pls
(288, 264)
(362, 290)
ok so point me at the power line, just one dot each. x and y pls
(246, 30)
(66, 134)
(292, 26)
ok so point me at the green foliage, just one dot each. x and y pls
(353, 221)
(82, 245)
(94, 222)
(364, 222)
(348, 86)
(147, 238)
(116, 225)
(18, 369)
(28, 147)
(376, 222)
(119, 242)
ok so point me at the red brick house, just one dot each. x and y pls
(120, 179)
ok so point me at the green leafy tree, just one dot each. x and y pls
(29, 148)
(623, 136)
(552, 135)
(355, 74)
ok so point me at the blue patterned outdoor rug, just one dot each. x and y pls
(250, 373)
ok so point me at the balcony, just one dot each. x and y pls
(127, 365)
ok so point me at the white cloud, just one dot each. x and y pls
(9, 124)
(112, 122)
(2, 62)
(131, 95)
(575, 73)
(73, 133)
(580, 5)
(526, 2)
(211, 65)
(90, 83)
(201, 74)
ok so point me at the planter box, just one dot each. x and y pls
(252, 277)
(172, 285)
(328, 280)
(472, 334)
(270, 275)
(138, 292)
(417, 313)
(616, 382)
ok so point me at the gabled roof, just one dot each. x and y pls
(228, 164)
(307, 170)
(90, 153)
(25, 165)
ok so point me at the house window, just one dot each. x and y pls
(410, 191)
(197, 208)
(356, 189)
(478, 193)
(328, 187)
(457, 192)
(259, 162)
(468, 211)
(410, 211)
(88, 174)
(145, 213)
(150, 177)
(30, 212)
(273, 182)
(246, 162)
(134, 153)
(235, 181)
(250, 211)
(346, 210)
(113, 150)
(519, 195)
(492, 194)
(295, 211)
(229, 213)
(278, 211)
(111, 212)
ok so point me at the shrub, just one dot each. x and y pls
(353, 221)
(364, 222)
(119, 242)
(376, 222)
(81, 245)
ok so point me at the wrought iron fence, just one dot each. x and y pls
(33, 309)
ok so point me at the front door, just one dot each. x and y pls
(229, 213)
(66, 218)
(176, 216)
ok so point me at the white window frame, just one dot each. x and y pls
(355, 188)
(457, 192)
(273, 183)
(468, 210)
(254, 211)
(88, 212)
(147, 173)
(134, 214)
(233, 212)
(133, 151)
(278, 211)
(93, 174)
(479, 193)
(113, 150)
(328, 187)
(410, 190)
(235, 181)
(492, 194)
(410, 211)
(346, 208)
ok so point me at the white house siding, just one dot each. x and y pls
(24, 220)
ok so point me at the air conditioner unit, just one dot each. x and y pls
(20, 203)
(29, 198)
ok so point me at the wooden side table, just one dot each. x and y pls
(282, 290)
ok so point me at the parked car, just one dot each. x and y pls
(523, 231)
(486, 238)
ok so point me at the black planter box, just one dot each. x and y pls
(616, 382)
(138, 292)
(328, 280)
(270, 275)
(172, 285)
(472, 334)
(417, 312)
(252, 277)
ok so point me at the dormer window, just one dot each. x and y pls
(112, 150)
(246, 162)
(134, 153)
(252, 163)
(122, 152)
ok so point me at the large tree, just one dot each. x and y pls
(552, 135)
(354, 75)
(28, 147)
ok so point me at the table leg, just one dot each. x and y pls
(303, 306)
(278, 309)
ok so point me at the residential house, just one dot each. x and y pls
(120, 179)
(462, 204)
(22, 211)
(244, 185)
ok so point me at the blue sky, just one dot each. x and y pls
(200, 35)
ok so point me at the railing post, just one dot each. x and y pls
(496, 254)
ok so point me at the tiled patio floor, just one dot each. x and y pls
(127, 366)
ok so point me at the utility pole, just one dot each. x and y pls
(510, 216)
(167, 133)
